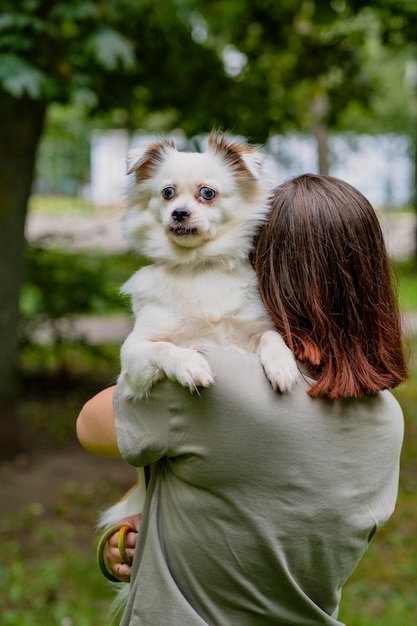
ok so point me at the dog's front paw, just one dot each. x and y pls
(278, 361)
(190, 369)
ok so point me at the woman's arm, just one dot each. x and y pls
(95, 425)
(97, 434)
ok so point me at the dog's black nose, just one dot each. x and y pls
(179, 215)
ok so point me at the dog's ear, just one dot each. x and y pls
(143, 161)
(243, 158)
(253, 160)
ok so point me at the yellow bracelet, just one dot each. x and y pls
(121, 544)
(101, 547)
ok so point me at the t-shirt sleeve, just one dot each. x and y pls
(150, 429)
(159, 426)
(142, 427)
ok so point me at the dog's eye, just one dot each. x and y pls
(168, 193)
(207, 193)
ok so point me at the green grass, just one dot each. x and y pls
(406, 274)
(48, 572)
(382, 592)
(59, 205)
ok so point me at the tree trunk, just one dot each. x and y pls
(21, 124)
(321, 135)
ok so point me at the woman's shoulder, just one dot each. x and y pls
(393, 410)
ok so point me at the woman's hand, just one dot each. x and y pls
(114, 558)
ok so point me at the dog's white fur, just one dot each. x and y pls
(200, 288)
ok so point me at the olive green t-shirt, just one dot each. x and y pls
(261, 504)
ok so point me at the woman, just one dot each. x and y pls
(260, 505)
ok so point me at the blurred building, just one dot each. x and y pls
(380, 166)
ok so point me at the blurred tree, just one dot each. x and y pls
(395, 22)
(301, 63)
(396, 27)
(98, 55)
(306, 64)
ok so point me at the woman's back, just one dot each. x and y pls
(261, 504)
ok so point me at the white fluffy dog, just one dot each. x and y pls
(194, 216)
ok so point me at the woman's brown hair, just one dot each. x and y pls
(325, 279)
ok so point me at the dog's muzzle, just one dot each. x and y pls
(179, 226)
(180, 215)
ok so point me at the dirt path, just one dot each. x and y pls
(89, 232)
(40, 481)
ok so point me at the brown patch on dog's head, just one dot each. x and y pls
(143, 162)
(245, 160)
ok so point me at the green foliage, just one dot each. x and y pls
(118, 55)
(407, 279)
(19, 77)
(303, 64)
(110, 48)
(397, 20)
(315, 63)
(303, 61)
(58, 285)
(50, 48)
(63, 160)
(56, 380)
